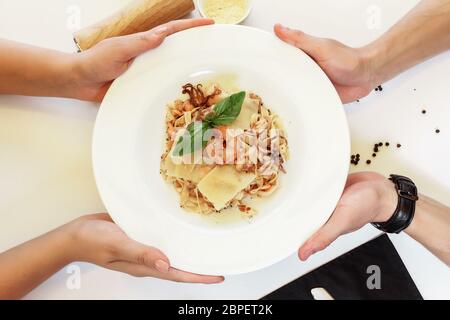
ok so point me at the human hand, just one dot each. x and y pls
(368, 197)
(96, 68)
(97, 239)
(348, 68)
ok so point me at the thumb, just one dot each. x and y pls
(138, 43)
(140, 254)
(326, 235)
(299, 39)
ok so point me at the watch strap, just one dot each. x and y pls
(404, 213)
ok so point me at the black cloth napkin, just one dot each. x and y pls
(346, 277)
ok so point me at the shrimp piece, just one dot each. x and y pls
(187, 106)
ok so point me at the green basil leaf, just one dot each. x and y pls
(209, 119)
(195, 131)
(178, 150)
(225, 113)
(227, 110)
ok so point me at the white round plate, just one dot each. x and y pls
(129, 138)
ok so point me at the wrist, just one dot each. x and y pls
(372, 57)
(66, 244)
(71, 75)
(407, 196)
(388, 201)
(423, 205)
(71, 239)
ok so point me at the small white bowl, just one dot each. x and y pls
(200, 4)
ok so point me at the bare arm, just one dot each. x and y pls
(94, 239)
(28, 70)
(431, 227)
(370, 197)
(26, 266)
(423, 33)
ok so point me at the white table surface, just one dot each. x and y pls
(45, 158)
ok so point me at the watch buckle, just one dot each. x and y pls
(407, 195)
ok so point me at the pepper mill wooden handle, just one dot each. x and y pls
(140, 15)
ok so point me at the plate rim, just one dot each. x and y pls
(237, 270)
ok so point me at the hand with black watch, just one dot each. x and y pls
(392, 205)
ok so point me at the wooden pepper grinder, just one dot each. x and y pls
(140, 15)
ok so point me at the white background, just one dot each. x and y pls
(45, 166)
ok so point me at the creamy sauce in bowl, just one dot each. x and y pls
(225, 11)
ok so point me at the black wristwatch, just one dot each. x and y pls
(406, 207)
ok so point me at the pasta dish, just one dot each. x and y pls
(222, 149)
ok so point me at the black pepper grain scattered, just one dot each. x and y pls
(438, 131)
(376, 149)
(353, 157)
(374, 155)
(380, 144)
(387, 144)
(424, 111)
(368, 162)
(399, 145)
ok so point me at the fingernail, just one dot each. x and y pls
(162, 266)
(282, 27)
(160, 30)
(216, 281)
(304, 256)
(309, 253)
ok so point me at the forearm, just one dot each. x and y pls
(423, 33)
(28, 70)
(28, 265)
(431, 227)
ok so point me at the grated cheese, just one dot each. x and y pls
(225, 11)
